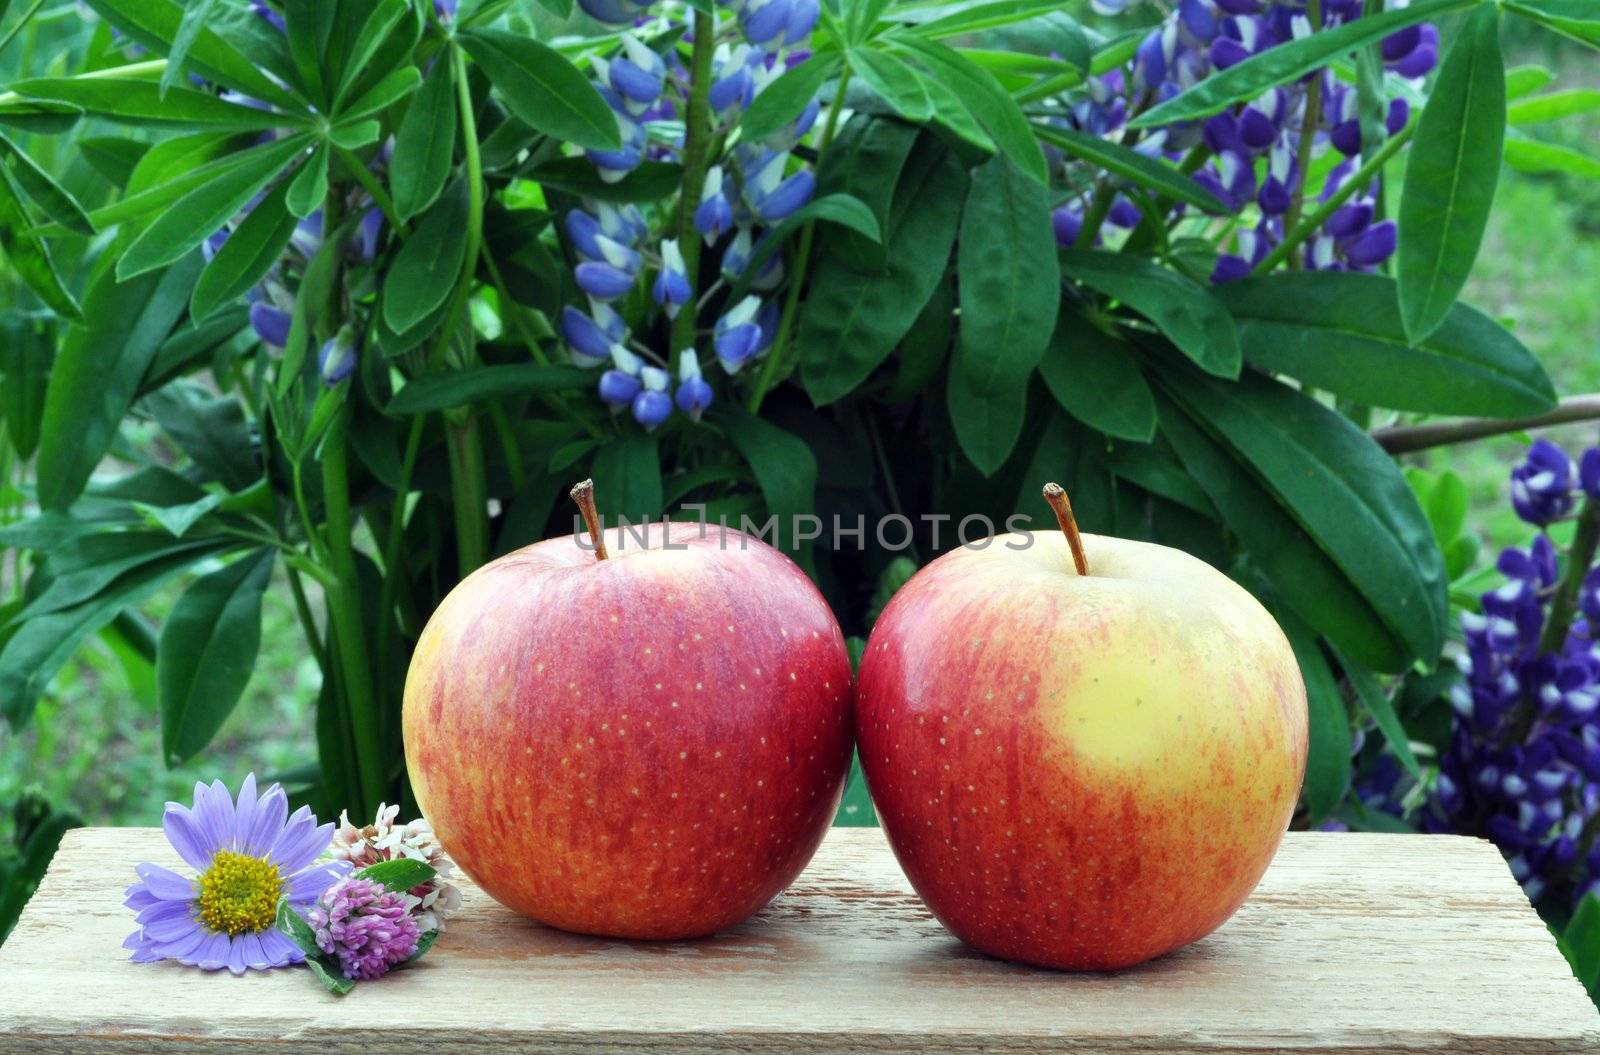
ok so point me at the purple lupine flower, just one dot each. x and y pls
(591, 337)
(763, 20)
(1412, 54)
(618, 385)
(736, 338)
(271, 323)
(694, 393)
(652, 405)
(368, 929)
(671, 288)
(1541, 486)
(368, 233)
(733, 82)
(1372, 246)
(714, 215)
(337, 358)
(1589, 472)
(250, 853)
(1067, 222)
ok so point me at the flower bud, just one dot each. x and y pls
(271, 323)
(337, 359)
(671, 289)
(736, 338)
(694, 392)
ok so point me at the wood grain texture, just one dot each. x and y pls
(1352, 944)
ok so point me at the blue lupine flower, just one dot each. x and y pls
(617, 388)
(1541, 486)
(733, 77)
(694, 393)
(1589, 472)
(762, 20)
(652, 405)
(582, 230)
(368, 233)
(714, 215)
(671, 289)
(803, 15)
(592, 337)
(337, 358)
(613, 165)
(1372, 246)
(611, 276)
(445, 10)
(736, 338)
(637, 76)
(271, 323)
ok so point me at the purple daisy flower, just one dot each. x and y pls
(249, 853)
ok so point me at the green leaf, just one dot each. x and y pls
(627, 478)
(1094, 378)
(207, 651)
(1346, 492)
(309, 187)
(1305, 578)
(1328, 756)
(112, 157)
(651, 181)
(1525, 80)
(390, 90)
(1553, 106)
(1449, 190)
(1446, 506)
(1187, 312)
(425, 144)
(198, 214)
(179, 520)
(424, 942)
(157, 24)
(1577, 19)
(328, 974)
(840, 209)
(384, 16)
(542, 88)
(1381, 707)
(27, 252)
(98, 370)
(973, 18)
(987, 101)
(895, 81)
(400, 874)
(309, 25)
(854, 318)
(27, 350)
(356, 134)
(1009, 285)
(866, 160)
(426, 269)
(469, 385)
(83, 566)
(1535, 156)
(1342, 331)
(211, 430)
(781, 101)
(247, 255)
(1288, 62)
(1580, 942)
(783, 465)
(293, 926)
(1159, 176)
(42, 189)
(195, 14)
(135, 101)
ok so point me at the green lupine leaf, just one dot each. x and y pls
(425, 271)
(1009, 284)
(1187, 312)
(28, 254)
(1536, 156)
(1157, 175)
(974, 18)
(309, 187)
(135, 101)
(425, 144)
(1577, 19)
(1342, 331)
(1288, 62)
(986, 100)
(627, 477)
(895, 81)
(1552, 107)
(194, 19)
(247, 255)
(1095, 379)
(475, 384)
(1381, 707)
(382, 95)
(1525, 80)
(385, 15)
(207, 652)
(783, 465)
(781, 101)
(1448, 191)
(1328, 757)
(27, 350)
(544, 89)
(42, 189)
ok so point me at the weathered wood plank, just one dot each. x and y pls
(1352, 944)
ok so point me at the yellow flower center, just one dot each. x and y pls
(239, 893)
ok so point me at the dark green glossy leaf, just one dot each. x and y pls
(172, 168)
(212, 430)
(198, 214)
(425, 144)
(247, 255)
(384, 16)
(309, 25)
(1184, 310)
(1328, 757)
(1344, 489)
(382, 95)
(195, 14)
(27, 350)
(783, 465)
(973, 18)
(82, 567)
(843, 210)
(987, 101)
(98, 370)
(137, 101)
(782, 101)
(1095, 379)
(651, 181)
(1158, 176)
(1580, 942)
(627, 478)
(42, 189)
(895, 81)
(1009, 284)
(1381, 707)
(1449, 190)
(543, 89)
(112, 157)
(426, 269)
(925, 346)
(854, 318)
(309, 186)
(400, 874)
(1288, 62)
(1342, 331)
(464, 387)
(207, 651)
(1577, 19)
(28, 254)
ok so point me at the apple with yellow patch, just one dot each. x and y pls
(632, 739)
(1084, 750)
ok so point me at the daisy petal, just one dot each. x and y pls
(244, 811)
(188, 837)
(183, 949)
(165, 884)
(139, 898)
(279, 950)
(170, 929)
(302, 840)
(255, 957)
(145, 954)
(136, 940)
(215, 816)
(211, 955)
(236, 964)
(163, 910)
(267, 824)
(309, 883)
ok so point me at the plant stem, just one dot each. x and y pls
(1310, 117)
(16, 28)
(308, 621)
(1099, 206)
(802, 261)
(391, 547)
(697, 135)
(1580, 558)
(1061, 506)
(348, 638)
(1401, 439)
(469, 493)
(370, 184)
(1358, 179)
(132, 69)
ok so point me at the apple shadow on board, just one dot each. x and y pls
(1083, 753)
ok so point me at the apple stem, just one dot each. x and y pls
(583, 494)
(1062, 507)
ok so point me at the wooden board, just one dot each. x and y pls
(1353, 943)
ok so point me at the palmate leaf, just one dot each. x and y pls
(1157, 175)
(983, 97)
(627, 477)
(464, 387)
(194, 19)
(134, 101)
(41, 188)
(425, 270)
(1288, 62)
(247, 255)
(895, 81)
(28, 254)
(974, 18)
(782, 101)
(425, 144)
(1449, 190)
(1187, 312)
(1342, 331)
(542, 88)
(783, 465)
(1095, 379)
(1009, 285)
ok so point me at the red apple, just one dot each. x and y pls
(645, 741)
(1080, 769)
